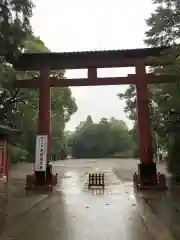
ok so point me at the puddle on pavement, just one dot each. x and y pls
(71, 184)
(113, 214)
(63, 177)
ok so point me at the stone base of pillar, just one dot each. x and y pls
(149, 178)
(40, 178)
(148, 173)
(44, 181)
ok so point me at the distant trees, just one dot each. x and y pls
(103, 139)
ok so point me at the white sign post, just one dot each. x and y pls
(41, 153)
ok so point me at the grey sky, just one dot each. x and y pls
(68, 25)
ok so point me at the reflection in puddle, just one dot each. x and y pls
(71, 184)
(132, 197)
(97, 191)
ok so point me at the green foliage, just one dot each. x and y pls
(19, 107)
(164, 23)
(14, 27)
(135, 137)
(98, 140)
(18, 154)
(163, 29)
(130, 97)
(34, 44)
(63, 106)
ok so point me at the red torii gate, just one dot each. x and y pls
(138, 58)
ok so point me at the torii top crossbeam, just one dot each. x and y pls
(92, 61)
(95, 59)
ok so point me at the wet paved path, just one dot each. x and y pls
(74, 213)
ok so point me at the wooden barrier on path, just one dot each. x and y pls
(96, 180)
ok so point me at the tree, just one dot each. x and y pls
(14, 27)
(134, 133)
(130, 101)
(103, 139)
(23, 114)
(163, 29)
(163, 24)
(63, 106)
(19, 107)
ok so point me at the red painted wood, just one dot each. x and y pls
(1, 162)
(146, 153)
(92, 81)
(130, 79)
(96, 59)
(44, 127)
(92, 74)
(3, 158)
(28, 83)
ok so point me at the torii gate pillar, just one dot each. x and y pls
(146, 167)
(147, 173)
(44, 179)
(44, 125)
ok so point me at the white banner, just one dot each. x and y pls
(41, 152)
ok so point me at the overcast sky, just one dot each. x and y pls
(75, 25)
